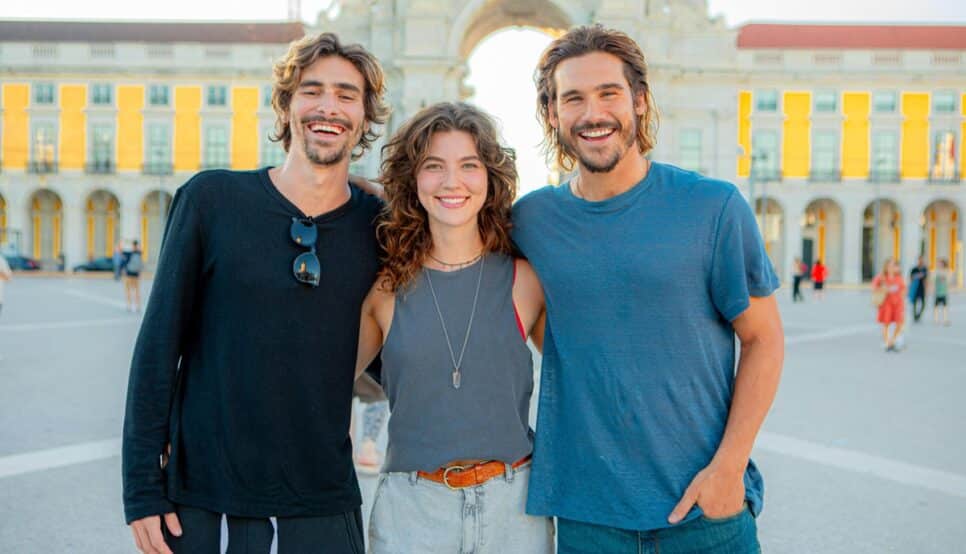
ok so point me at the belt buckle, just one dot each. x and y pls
(446, 476)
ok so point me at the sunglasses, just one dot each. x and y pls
(306, 266)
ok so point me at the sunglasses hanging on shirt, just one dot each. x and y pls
(306, 266)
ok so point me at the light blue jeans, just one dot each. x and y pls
(411, 515)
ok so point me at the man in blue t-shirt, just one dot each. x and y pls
(645, 429)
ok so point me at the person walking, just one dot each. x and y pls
(645, 428)
(819, 274)
(890, 286)
(801, 271)
(941, 278)
(244, 362)
(452, 312)
(133, 265)
(117, 259)
(918, 278)
(367, 457)
(6, 275)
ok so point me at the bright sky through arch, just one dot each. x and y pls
(503, 87)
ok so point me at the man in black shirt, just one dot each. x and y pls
(244, 362)
(917, 283)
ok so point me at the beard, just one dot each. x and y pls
(327, 158)
(330, 157)
(611, 158)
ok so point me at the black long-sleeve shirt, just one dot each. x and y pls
(244, 370)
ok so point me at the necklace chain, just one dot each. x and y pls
(457, 363)
(457, 264)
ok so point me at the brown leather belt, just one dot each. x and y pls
(460, 477)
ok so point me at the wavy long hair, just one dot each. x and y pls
(304, 52)
(577, 42)
(404, 231)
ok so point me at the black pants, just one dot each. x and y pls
(797, 288)
(919, 302)
(201, 534)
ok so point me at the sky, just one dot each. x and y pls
(734, 11)
(507, 56)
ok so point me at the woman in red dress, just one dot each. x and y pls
(819, 274)
(892, 309)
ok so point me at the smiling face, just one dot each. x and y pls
(452, 181)
(327, 112)
(595, 113)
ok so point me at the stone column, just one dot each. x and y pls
(73, 228)
(130, 223)
(911, 238)
(18, 205)
(793, 238)
(852, 242)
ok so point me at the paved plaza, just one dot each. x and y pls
(864, 451)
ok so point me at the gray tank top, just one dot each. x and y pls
(431, 422)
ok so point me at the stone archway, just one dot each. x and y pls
(425, 46)
(46, 214)
(103, 213)
(941, 233)
(480, 18)
(154, 216)
(822, 237)
(881, 240)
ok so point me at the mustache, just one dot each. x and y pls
(596, 126)
(344, 123)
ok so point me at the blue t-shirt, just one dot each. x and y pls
(639, 350)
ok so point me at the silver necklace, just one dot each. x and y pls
(457, 264)
(457, 363)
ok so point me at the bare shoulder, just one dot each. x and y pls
(379, 295)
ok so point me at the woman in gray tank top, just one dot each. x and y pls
(451, 313)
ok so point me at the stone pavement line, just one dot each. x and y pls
(67, 324)
(851, 460)
(40, 460)
(831, 334)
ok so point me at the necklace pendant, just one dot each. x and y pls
(456, 378)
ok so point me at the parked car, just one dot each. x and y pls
(97, 264)
(22, 263)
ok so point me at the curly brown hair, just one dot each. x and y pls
(404, 229)
(307, 50)
(578, 42)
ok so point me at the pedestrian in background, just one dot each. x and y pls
(5, 275)
(917, 288)
(367, 457)
(133, 264)
(801, 271)
(118, 259)
(890, 285)
(940, 287)
(819, 274)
